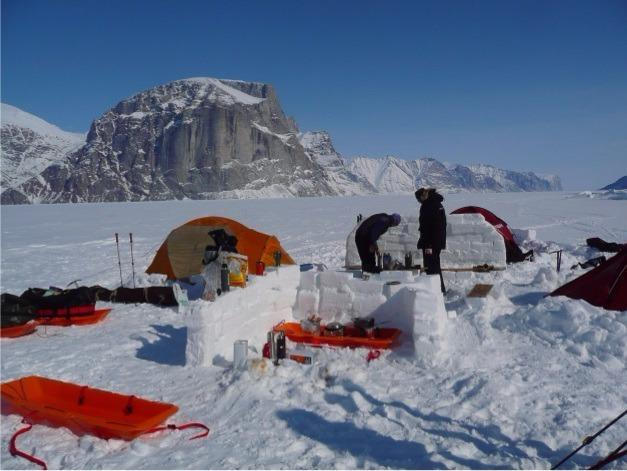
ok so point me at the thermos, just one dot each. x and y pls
(260, 268)
(379, 261)
(277, 258)
(408, 260)
(224, 278)
(280, 345)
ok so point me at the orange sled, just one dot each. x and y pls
(19, 330)
(82, 409)
(381, 338)
(78, 319)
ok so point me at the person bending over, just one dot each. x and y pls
(432, 230)
(367, 236)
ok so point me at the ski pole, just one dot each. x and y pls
(130, 235)
(586, 441)
(117, 243)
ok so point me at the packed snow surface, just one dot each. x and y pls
(518, 381)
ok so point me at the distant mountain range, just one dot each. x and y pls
(205, 138)
(620, 184)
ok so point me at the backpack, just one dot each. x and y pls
(15, 311)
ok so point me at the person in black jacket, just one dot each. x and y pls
(367, 235)
(432, 230)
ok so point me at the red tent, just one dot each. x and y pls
(604, 286)
(512, 251)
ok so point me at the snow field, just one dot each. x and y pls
(518, 380)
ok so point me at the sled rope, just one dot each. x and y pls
(586, 441)
(615, 455)
(182, 427)
(33, 459)
(16, 452)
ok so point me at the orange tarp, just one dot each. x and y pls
(182, 252)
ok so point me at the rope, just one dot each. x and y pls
(15, 452)
(182, 427)
(33, 459)
(615, 455)
(586, 441)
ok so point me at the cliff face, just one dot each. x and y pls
(193, 139)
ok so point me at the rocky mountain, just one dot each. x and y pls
(197, 138)
(29, 146)
(620, 184)
(342, 181)
(206, 138)
(393, 175)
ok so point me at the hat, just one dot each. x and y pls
(396, 218)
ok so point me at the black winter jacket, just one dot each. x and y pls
(374, 227)
(432, 223)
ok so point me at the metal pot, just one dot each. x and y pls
(334, 329)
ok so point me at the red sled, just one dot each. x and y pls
(67, 311)
(76, 319)
(83, 410)
(381, 338)
(19, 330)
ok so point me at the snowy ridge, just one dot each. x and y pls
(391, 175)
(10, 115)
(30, 145)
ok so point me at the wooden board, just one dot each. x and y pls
(479, 291)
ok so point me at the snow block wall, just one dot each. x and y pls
(470, 241)
(401, 299)
(242, 313)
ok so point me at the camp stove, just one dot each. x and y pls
(365, 326)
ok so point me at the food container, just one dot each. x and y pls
(334, 329)
(310, 325)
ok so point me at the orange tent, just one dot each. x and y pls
(182, 252)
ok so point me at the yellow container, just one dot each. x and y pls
(238, 269)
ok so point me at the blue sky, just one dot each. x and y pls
(530, 85)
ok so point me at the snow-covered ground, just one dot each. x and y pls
(521, 380)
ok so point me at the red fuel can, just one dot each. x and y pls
(260, 268)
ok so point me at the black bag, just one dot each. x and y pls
(157, 295)
(60, 301)
(15, 311)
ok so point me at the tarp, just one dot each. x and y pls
(512, 251)
(604, 286)
(182, 252)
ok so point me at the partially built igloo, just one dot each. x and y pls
(470, 242)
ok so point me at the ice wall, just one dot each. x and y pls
(402, 299)
(470, 241)
(247, 313)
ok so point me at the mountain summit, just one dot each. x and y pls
(207, 138)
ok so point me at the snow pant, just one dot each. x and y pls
(432, 265)
(368, 259)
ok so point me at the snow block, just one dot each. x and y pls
(334, 279)
(366, 305)
(361, 287)
(242, 313)
(306, 304)
(334, 305)
(309, 280)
